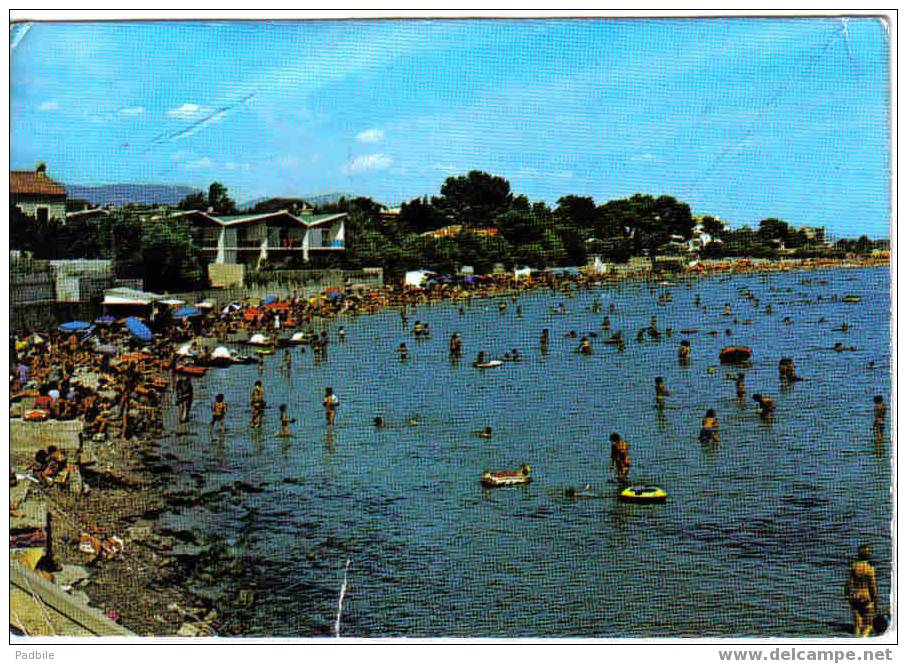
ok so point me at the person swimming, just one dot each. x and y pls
(483, 433)
(402, 351)
(480, 359)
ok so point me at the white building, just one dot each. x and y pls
(250, 240)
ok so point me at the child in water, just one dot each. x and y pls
(218, 412)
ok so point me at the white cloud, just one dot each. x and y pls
(370, 136)
(234, 166)
(187, 111)
(368, 162)
(135, 110)
(563, 175)
(648, 156)
(204, 162)
(445, 168)
(48, 106)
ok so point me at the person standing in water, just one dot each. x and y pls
(861, 591)
(543, 341)
(330, 403)
(683, 354)
(709, 431)
(285, 421)
(218, 413)
(661, 391)
(287, 364)
(456, 345)
(620, 457)
(402, 351)
(766, 406)
(258, 404)
(184, 397)
(880, 410)
(739, 384)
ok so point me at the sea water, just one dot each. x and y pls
(755, 537)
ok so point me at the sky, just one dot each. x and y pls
(742, 118)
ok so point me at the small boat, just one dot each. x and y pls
(644, 494)
(851, 298)
(190, 370)
(488, 365)
(242, 359)
(735, 354)
(521, 476)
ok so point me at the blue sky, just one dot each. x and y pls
(742, 118)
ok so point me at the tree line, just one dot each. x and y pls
(166, 254)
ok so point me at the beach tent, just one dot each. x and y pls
(74, 326)
(138, 329)
(221, 352)
(259, 340)
(186, 312)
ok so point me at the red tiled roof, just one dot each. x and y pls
(34, 183)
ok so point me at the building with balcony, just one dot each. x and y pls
(252, 239)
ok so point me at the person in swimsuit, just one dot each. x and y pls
(766, 406)
(861, 592)
(684, 353)
(258, 404)
(661, 391)
(879, 413)
(739, 385)
(285, 421)
(402, 351)
(218, 412)
(709, 431)
(620, 457)
(183, 397)
(330, 402)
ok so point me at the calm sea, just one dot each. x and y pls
(755, 537)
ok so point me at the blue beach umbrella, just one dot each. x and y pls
(270, 299)
(335, 296)
(186, 312)
(75, 326)
(138, 329)
(106, 319)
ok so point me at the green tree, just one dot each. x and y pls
(712, 226)
(475, 199)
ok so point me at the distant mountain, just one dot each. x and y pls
(314, 199)
(121, 194)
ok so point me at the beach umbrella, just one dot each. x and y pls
(204, 305)
(335, 296)
(138, 329)
(186, 312)
(75, 326)
(469, 279)
(106, 319)
(270, 299)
